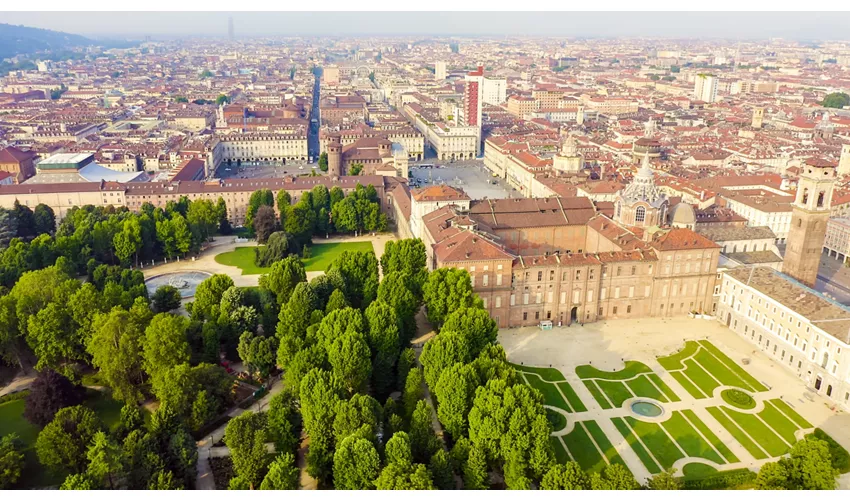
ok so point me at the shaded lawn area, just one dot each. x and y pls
(660, 445)
(550, 393)
(582, 449)
(12, 420)
(547, 374)
(597, 394)
(548, 381)
(558, 420)
(713, 439)
(325, 253)
(737, 433)
(688, 438)
(243, 258)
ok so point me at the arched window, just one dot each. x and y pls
(825, 360)
(799, 222)
(805, 195)
(820, 199)
(640, 214)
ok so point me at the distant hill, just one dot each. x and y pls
(16, 40)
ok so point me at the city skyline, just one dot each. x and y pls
(690, 25)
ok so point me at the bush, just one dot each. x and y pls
(721, 481)
(14, 396)
(738, 399)
(840, 456)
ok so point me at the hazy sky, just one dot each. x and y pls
(744, 25)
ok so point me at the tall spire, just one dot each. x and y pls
(645, 170)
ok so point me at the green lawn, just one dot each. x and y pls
(322, 256)
(548, 381)
(771, 431)
(639, 449)
(558, 420)
(243, 258)
(12, 420)
(580, 444)
(325, 253)
(550, 393)
(632, 369)
(674, 361)
(701, 367)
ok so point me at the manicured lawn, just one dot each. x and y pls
(737, 433)
(668, 392)
(597, 394)
(749, 379)
(701, 367)
(582, 449)
(243, 258)
(712, 438)
(617, 392)
(639, 449)
(561, 455)
(674, 361)
(601, 439)
(548, 381)
(631, 369)
(325, 253)
(790, 413)
(771, 429)
(322, 256)
(660, 445)
(687, 437)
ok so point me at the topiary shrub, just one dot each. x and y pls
(738, 399)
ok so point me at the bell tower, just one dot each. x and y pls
(758, 117)
(809, 215)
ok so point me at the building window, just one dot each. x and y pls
(539, 275)
(537, 315)
(614, 310)
(578, 274)
(498, 302)
(524, 316)
(628, 309)
(640, 214)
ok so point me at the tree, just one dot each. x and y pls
(361, 415)
(165, 344)
(276, 248)
(350, 361)
(104, 457)
(413, 392)
(836, 100)
(406, 256)
(808, 467)
(476, 324)
(455, 390)
(509, 423)
(282, 278)
(355, 168)
(164, 480)
(11, 460)
(294, 320)
(49, 393)
(319, 395)
(772, 476)
(116, 350)
(298, 221)
(62, 444)
(359, 271)
(398, 449)
(203, 218)
(259, 353)
(569, 476)
(614, 477)
(245, 436)
(665, 480)
(396, 290)
(8, 227)
(257, 199)
(51, 340)
(447, 290)
(356, 464)
(323, 162)
(77, 482)
(45, 219)
(443, 351)
(383, 338)
(26, 221)
(166, 298)
(284, 421)
(208, 294)
(282, 474)
(222, 99)
(336, 301)
(441, 470)
(128, 241)
(423, 440)
(475, 475)
(264, 223)
(174, 235)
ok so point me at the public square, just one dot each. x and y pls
(471, 176)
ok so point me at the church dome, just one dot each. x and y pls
(682, 215)
(643, 188)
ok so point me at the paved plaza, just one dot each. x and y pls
(655, 393)
(471, 176)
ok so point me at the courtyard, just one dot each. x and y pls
(471, 176)
(699, 400)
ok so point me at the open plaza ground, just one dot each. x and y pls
(659, 393)
(471, 176)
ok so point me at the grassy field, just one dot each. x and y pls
(701, 367)
(553, 386)
(612, 389)
(325, 253)
(581, 444)
(12, 420)
(243, 258)
(322, 256)
(770, 433)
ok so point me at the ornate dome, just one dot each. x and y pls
(643, 188)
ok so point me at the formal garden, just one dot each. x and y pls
(674, 424)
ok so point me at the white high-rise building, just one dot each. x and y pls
(440, 70)
(495, 91)
(705, 88)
